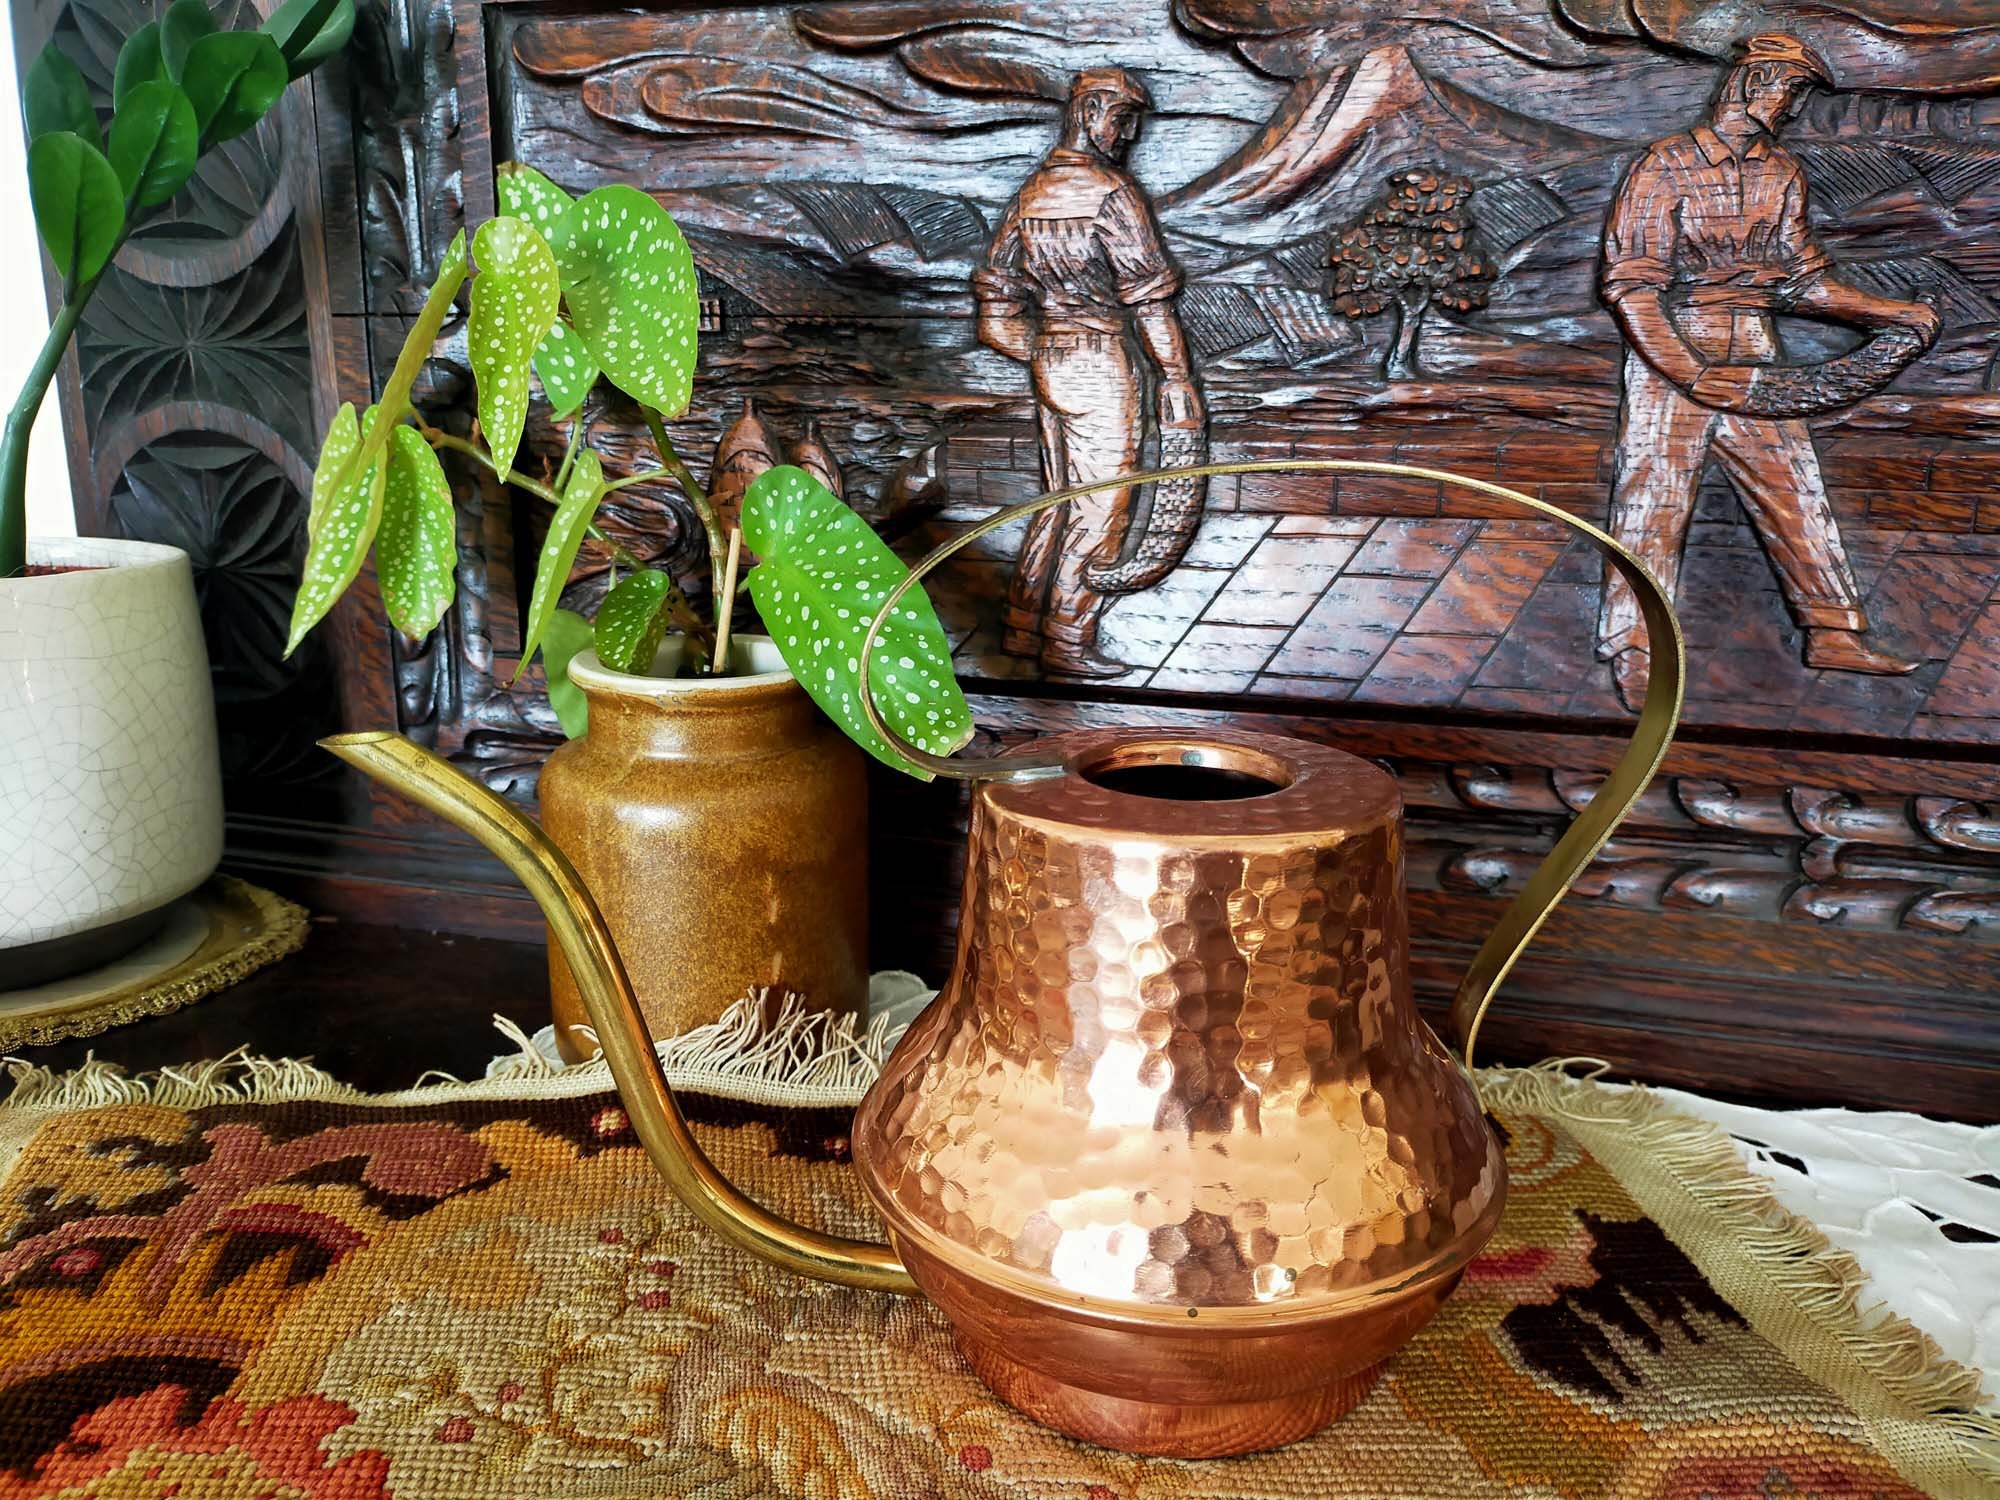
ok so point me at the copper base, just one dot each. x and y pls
(1176, 1387)
(1165, 1429)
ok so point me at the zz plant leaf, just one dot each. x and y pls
(139, 61)
(632, 621)
(232, 78)
(567, 529)
(308, 32)
(154, 142)
(515, 298)
(185, 23)
(416, 549)
(824, 575)
(179, 85)
(54, 97)
(79, 204)
(628, 280)
(346, 510)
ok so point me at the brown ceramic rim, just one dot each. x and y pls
(593, 676)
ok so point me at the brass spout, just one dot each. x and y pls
(576, 924)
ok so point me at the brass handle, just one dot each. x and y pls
(1579, 844)
(579, 929)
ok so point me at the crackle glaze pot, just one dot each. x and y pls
(1172, 1150)
(110, 781)
(722, 825)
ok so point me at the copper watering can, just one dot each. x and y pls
(1172, 1149)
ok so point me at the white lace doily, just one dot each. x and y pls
(1915, 1201)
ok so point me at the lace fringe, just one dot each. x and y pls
(762, 1049)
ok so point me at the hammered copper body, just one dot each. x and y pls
(1174, 1151)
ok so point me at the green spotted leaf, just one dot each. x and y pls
(632, 621)
(824, 575)
(567, 370)
(563, 362)
(527, 194)
(154, 142)
(346, 510)
(628, 280)
(567, 529)
(416, 549)
(568, 633)
(416, 349)
(343, 436)
(515, 298)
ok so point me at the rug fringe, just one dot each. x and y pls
(758, 1050)
(237, 1078)
(1824, 1283)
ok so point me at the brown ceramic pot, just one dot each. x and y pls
(721, 823)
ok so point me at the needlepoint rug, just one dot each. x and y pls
(245, 1281)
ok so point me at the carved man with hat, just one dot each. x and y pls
(1076, 284)
(1706, 240)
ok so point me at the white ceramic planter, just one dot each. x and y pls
(110, 787)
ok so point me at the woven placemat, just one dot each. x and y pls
(242, 1277)
(222, 933)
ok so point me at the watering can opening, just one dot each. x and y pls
(1178, 771)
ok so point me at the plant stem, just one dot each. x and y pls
(696, 496)
(725, 608)
(650, 476)
(569, 453)
(21, 425)
(683, 612)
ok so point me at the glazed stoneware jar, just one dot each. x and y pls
(722, 824)
(110, 784)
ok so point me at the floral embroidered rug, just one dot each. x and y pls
(246, 1281)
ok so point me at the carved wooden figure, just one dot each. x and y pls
(1707, 238)
(1077, 267)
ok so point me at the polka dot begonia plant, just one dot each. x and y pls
(574, 294)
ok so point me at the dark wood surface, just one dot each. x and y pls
(377, 1007)
(1809, 901)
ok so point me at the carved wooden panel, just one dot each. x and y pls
(843, 170)
(194, 399)
(955, 249)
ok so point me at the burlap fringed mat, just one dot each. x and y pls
(216, 936)
(245, 1280)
